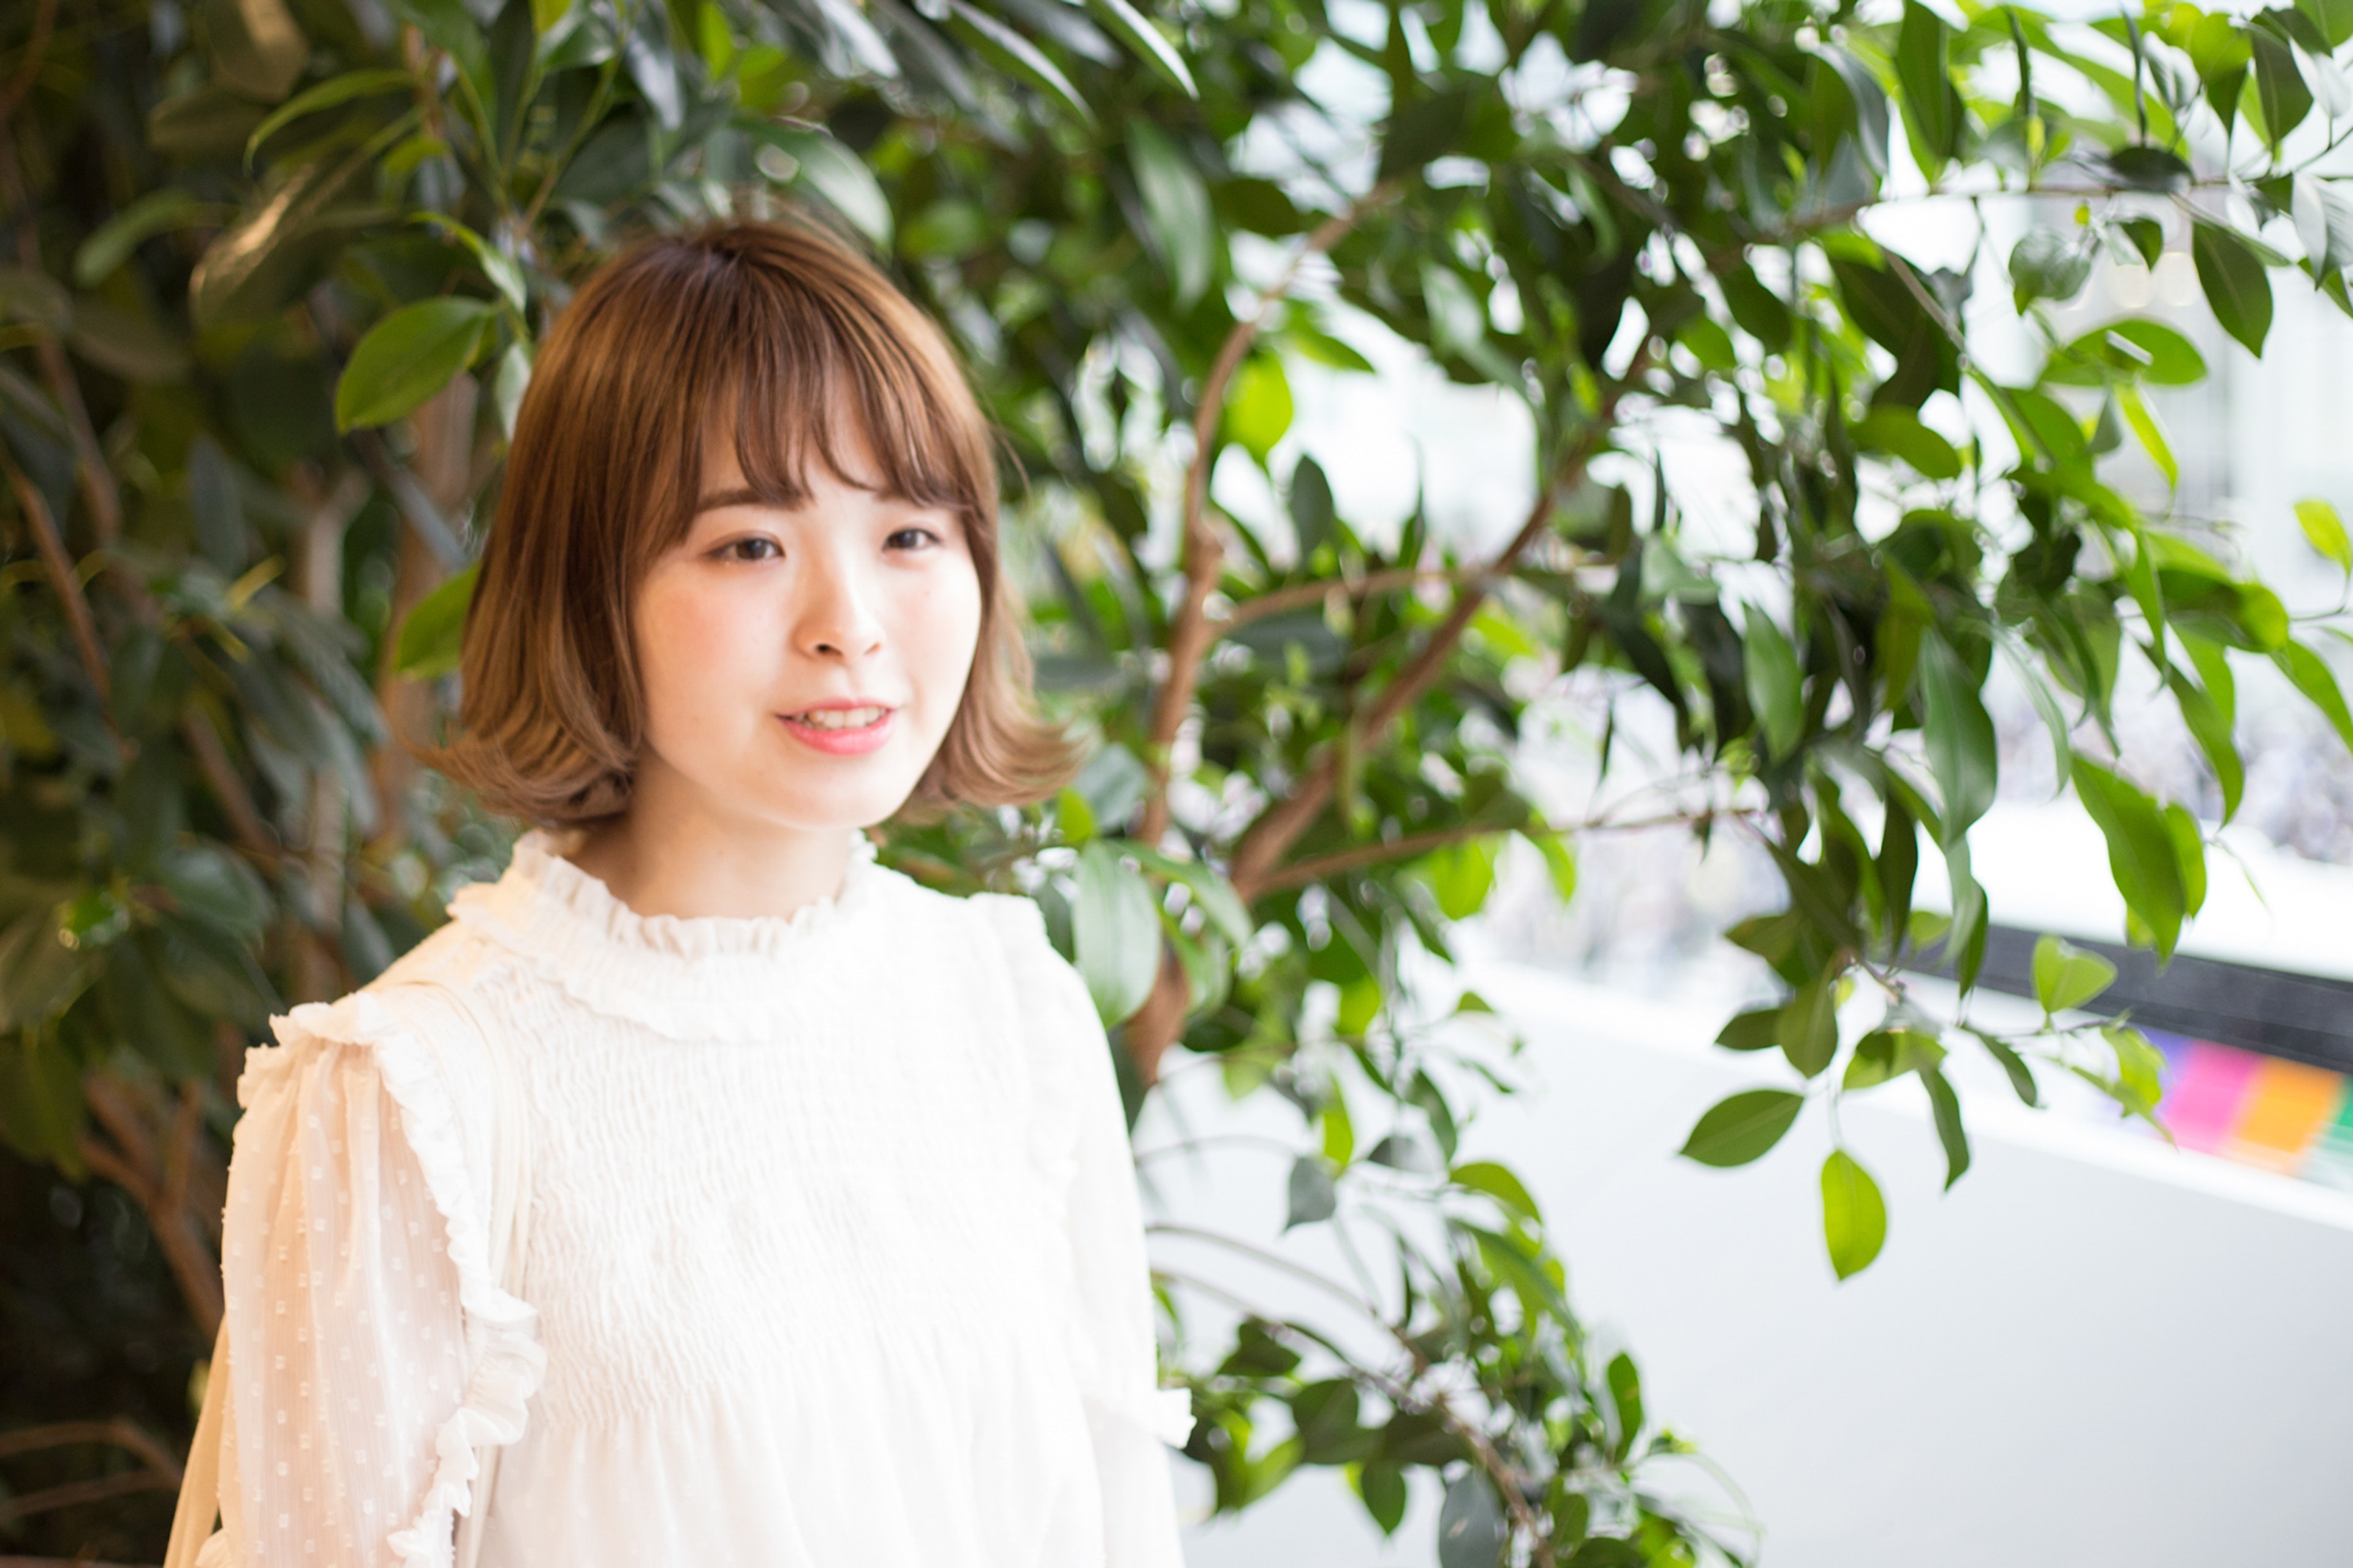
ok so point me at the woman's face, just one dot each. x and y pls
(758, 631)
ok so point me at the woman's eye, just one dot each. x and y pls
(754, 549)
(918, 534)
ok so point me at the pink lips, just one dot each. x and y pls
(844, 743)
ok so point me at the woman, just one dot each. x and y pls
(829, 1250)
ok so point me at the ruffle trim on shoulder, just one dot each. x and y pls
(701, 977)
(509, 1362)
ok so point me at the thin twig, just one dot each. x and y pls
(122, 1431)
(1298, 873)
(59, 567)
(73, 1492)
(36, 50)
(253, 835)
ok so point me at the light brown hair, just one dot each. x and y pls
(789, 334)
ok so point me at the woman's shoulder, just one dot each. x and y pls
(416, 1025)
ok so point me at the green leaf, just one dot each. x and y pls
(1311, 1194)
(838, 177)
(1498, 1183)
(1210, 891)
(201, 124)
(2048, 265)
(1421, 129)
(2139, 167)
(2333, 17)
(2141, 853)
(1758, 1029)
(257, 49)
(1742, 1128)
(2311, 675)
(407, 357)
(1257, 409)
(430, 637)
(212, 885)
(335, 90)
(507, 387)
(1018, 57)
(2189, 854)
(2138, 1069)
(1176, 208)
(505, 276)
(1532, 1278)
(1924, 83)
(2148, 432)
(2067, 976)
(1946, 1108)
(1776, 687)
(1626, 1400)
(2322, 526)
(1311, 505)
(1899, 433)
(1884, 1054)
(2236, 289)
(1960, 739)
(41, 1108)
(1854, 1216)
(1339, 1132)
(1381, 1485)
(1148, 43)
(40, 976)
(1461, 874)
(2279, 86)
(1116, 924)
(1560, 862)
(1471, 1532)
(2210, 727)
(158, 212)
(1808, 1024)
(1325, 1416)
(2022, 1077)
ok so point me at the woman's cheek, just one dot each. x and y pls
(703, 654)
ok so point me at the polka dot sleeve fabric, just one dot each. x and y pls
(368, 1352)
(1084, 1149)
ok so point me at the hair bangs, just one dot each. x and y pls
(804, 375)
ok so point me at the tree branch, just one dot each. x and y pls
(1262, 846)
(1191, 635)
(1276, 601)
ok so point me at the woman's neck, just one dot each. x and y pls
(669, 857)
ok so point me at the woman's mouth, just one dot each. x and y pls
(841, 732)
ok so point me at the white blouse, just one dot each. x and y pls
(834, 1254)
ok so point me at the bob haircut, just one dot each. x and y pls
(787, 335)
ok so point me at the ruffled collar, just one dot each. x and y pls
(703, 976)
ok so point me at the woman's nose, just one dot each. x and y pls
(837, 616)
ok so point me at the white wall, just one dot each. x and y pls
(2093, 1351)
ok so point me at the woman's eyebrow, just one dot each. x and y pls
(740, 496)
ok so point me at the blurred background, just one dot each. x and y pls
(2098, 1348)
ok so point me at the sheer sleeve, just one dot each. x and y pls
(1131, 1420)
(369, 1352)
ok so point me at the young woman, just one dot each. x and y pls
(833, 1255)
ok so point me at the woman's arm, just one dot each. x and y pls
(1133, 1421)
(354, 1260)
